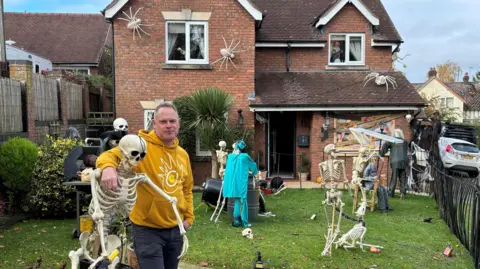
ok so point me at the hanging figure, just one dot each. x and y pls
(398, 163)
(235, 182)
(369, 176)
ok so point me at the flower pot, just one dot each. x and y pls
(263, 174)
(303, 176)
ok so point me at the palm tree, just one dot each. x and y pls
(211, 106)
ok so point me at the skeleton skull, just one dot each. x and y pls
(248, 233)
(133, 148)
(222, 145)
(120, 124)
(329, 149)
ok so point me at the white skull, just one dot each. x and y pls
(408, 117)
(120, 124)
(248, 233)
(133, 148)
(222, 145)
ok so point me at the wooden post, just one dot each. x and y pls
(3, 53)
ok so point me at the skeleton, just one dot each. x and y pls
(355, 234)
(106, 203)
(120, 124)
(380, 80)
(330, 169)
(332, 198)
(222, 159)
(134, 23)
(248, 233)
(228, 53)
(359, 164)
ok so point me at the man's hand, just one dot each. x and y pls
(186, 225)
(109, 178)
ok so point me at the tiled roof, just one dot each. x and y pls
(331, 88)
(470, 92)
(60, 37)
(293, 20)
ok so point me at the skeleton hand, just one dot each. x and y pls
(109, 179)
(173, 200)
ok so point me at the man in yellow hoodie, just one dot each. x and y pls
(157, 239)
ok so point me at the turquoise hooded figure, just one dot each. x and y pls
(235, 181)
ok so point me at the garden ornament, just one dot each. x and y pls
(248, 233)
(380, 80)
(333, 198)
(106, 203)
(355, 234)
(120, 124)
(330, 169)
(134, 23)
(222, 160)
(228, 53)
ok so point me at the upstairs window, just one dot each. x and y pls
(187, 42)
(346, 49)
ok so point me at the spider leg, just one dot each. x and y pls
(224, 58)
(233, 63)
(134, 16)
(224, 41)
(231, 43)
(141, 24)
(236, 45)
(124, 19)
(386, 83)
(129, 17)
(131, 13)
(218, 60)
(368, 81)
(138, 32)
(140, 28)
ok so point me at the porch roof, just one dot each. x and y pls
(329, 90)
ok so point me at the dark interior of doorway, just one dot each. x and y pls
(282, 144)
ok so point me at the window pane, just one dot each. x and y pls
(450, 102)
(176, 41)
(337, 49)
(197, 42)
(355, 49)
(442, 102)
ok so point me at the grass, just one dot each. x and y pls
(289, 240)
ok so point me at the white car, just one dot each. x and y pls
(459, 155)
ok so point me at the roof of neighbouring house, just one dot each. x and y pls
(448, 88)
(60, 37)
(294, 20)
(331, 88)
(470, 92)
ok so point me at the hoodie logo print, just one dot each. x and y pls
(170, 177)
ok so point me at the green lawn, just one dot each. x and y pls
(289, 240)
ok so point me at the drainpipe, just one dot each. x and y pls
(113, 71)
(287, 57)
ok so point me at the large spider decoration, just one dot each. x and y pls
(380, 80)
(134, 23)
(228, 53)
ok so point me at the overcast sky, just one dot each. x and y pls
(434, 31)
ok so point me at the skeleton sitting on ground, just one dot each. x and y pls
(355, 234)
(105, 203)
(359, 164)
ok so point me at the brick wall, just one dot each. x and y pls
(138, 64)
(348, 20)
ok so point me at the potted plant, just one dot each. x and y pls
(303, 167)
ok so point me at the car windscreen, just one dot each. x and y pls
(465, 147)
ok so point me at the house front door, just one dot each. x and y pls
(281, 144)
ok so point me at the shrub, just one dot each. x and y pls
(186, 135)
(17, 160)
(49, 197)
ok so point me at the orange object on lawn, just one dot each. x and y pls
(319, 180)
(374, 249)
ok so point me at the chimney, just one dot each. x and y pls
(466, 78)
(432, 73)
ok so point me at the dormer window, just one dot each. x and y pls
(187, 42)
(346, 49)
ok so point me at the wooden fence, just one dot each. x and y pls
(10, 106)
(74, 101)
(46, 98)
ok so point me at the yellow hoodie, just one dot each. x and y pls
(169, 168)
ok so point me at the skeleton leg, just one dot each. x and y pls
(218, 204)
(221, 208)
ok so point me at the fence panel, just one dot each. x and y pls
(74, 101)
(10, 106)
(46, 98)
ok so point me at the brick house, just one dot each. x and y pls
(292, 76)
(72, 42)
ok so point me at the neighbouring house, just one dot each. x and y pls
(299, 74)
(461, 95)
(72, 42)
(39, 63)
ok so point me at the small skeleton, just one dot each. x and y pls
(380, 80)
(222, 160)
(106, 203)
(330, 169)
(228, 53)
(135, 23)
(332, 198)
(355, 234)
(359, 164)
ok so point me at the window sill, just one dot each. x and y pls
(347, 67)
(188, 66)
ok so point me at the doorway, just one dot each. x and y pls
(281, 144)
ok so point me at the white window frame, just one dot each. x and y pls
(446, 102)
(187, 41)
(199, 152)
(347, 48)
(147, 113)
